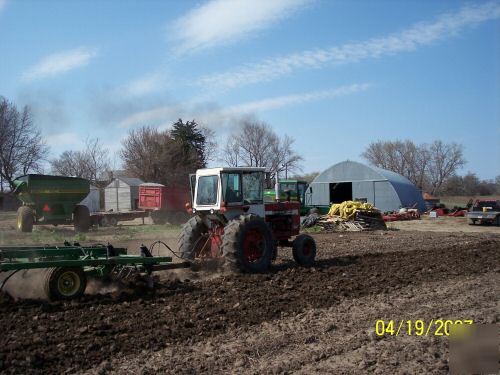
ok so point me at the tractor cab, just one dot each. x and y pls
(290, 191)
(296, 189)
(229, 191)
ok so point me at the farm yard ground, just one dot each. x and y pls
(317, 320)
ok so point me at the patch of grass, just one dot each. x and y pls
(7, 216)
(313, 229)
(80, 237)
(43, 236)
(129, 232)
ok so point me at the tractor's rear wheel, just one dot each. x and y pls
(25, 219)
(65, 283)
(304, 250)
(191, 239)
(81, 218)
(247, 244)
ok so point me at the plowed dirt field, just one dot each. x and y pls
(290, 320)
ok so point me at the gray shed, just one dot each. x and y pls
(93, 200)
(350, 180)
(122, 194)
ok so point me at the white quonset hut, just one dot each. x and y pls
(122, 194)
(350, 180)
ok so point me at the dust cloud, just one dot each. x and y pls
(95, 286)
(25, 284)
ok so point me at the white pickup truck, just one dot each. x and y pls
(484, 211)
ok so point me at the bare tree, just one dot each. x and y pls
(285, 158)
(231, 152)
(22, 148)
(143, 151)
(403, 157)
(210, 144)
(69, 163)
(427, 166)
(444, 160)
(257, 145)
(168, 157)
(90, 163)
(469, 185)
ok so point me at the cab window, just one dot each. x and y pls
(231, 188)
(207, 190)
(252, 187)
(302, 191)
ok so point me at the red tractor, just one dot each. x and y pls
(231, 221)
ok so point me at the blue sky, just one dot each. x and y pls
(335, 75)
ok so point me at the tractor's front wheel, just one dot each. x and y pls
(65, 283)
(191, 239)
(25, 219)
(247, 244)
(304, 250)
(81, 218)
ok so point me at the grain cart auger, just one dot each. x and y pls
(231, 221)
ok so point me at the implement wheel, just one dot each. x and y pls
(81, 218)
(65, 283)
(191, 238)
(304, 250)
(248, 244)
(25, 219)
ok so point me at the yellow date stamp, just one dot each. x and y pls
(420, 327)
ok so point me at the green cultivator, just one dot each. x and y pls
(69, 266)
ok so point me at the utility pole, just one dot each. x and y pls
(285, 165)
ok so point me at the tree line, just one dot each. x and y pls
(431, 167)
(169, 156)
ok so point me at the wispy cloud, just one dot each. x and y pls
(288, 100)
(66, 139)
(151, 116)
(60, 63)
(145, 85)
(420, 34)
(220, 22)
(164, 115)
(2, 4)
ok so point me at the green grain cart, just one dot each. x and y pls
(51, 200)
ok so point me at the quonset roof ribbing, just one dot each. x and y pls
(351, 171)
